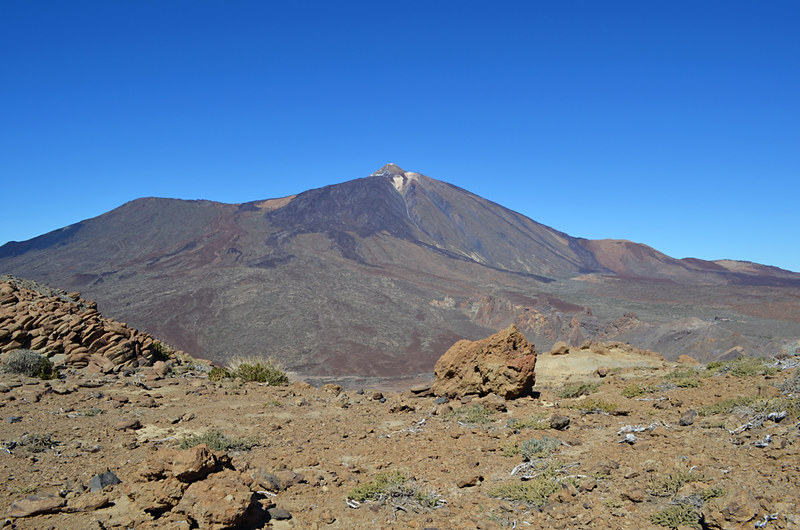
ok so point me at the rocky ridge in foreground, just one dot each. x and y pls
(69, 330)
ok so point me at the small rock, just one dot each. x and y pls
(559, 423)
(279, 514)
(687, 418)
(603, 371)
(420, 389)
(327, 517)
(376, 396)
(124, 425)
(559, 348)
(470, 481)
(13, 419)
(36, 505)
(441, 400)
(99, 482)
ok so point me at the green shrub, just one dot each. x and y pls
(380, 485)
(396, 486)
(259, 370)
(30, 363)
(218, 373)
(473, 415)
(575, 390)
(217, 441)
(668, 485)
(743, 366)
(633, 390)
(538, 448)
(676, 516)
(727, 405)
(533, 492)
(161, 352)
(687, 378)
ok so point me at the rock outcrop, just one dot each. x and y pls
(502, 364)
(199, 484)
(68, 329)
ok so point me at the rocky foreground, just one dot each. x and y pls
(638, 446)
(603, 436)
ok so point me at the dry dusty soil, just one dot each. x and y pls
(319, 450)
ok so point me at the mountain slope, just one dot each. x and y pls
(379, 275)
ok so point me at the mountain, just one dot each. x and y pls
(378, 276)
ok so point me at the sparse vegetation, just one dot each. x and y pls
(594, 406)
(217, 441)
(30, 363)
(676, 516)
(686, 378)
(534, 492)
(37, 443)
(539, 448)
(743, 366)
(259, 370)
(395, 486)
(575, 390)
(633, 390)
(161, 352)
(669, 484)
(218, 373)
(473, 415)
(536, 422)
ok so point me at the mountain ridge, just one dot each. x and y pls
(356, 276)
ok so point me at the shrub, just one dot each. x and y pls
(259, 370)
(533, 492)
(37, 443)
(577, 390)
(30, 363)
(688, 378)
(542, 448)
(677, 516)
(594, 406)
(161, 352)
(217, 441)
(396, 486)
(743, 366)
(633, 390)
(473, 415)
(668, 485)
(536, 422)
(218, 373)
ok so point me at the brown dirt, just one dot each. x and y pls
(340, 440)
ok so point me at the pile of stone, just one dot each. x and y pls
(68, 329)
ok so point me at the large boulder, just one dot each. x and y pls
(502, 364)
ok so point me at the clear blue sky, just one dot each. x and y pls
(675, 124)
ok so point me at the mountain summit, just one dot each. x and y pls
(379, 275)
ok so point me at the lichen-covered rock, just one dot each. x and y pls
(502, 364)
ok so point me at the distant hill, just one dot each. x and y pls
(378, 276)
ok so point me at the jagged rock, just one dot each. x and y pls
(124, 425)
(98, 482)
(220, 501)
(35, 505)
(502, 364)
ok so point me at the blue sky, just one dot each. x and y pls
(675, 124)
